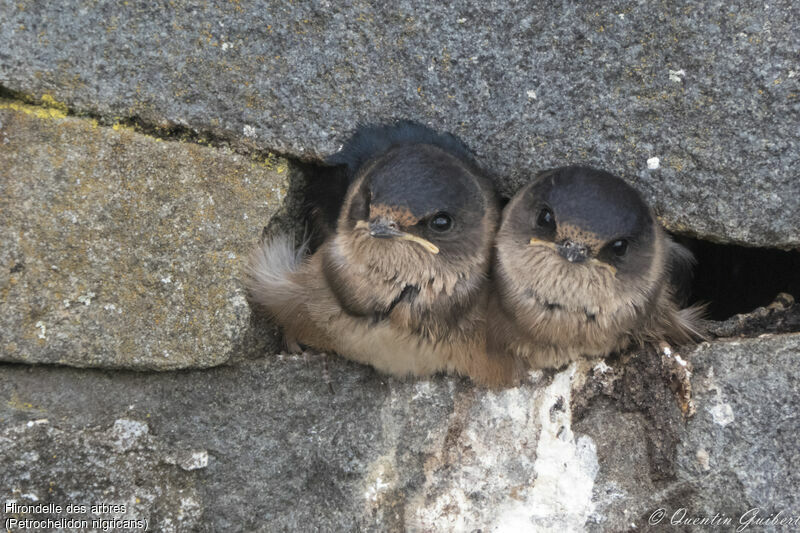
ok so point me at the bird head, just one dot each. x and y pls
(416, 215)
(581, 240)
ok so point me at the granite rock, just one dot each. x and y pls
(696, 105)
(734, 459)
(280, 452)
(103, 479)
(122, 250)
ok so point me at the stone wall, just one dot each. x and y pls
(144, 148)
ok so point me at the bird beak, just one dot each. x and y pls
(572, 251)
(578, 255)
(382, 228)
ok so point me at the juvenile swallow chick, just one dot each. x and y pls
(402, 283)
(583, 268)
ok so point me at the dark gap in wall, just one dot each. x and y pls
(9, 94)
(324, 193)
(736, 279)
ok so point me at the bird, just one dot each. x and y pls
(402, 282)
(582, 268)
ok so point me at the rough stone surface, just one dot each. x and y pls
(738, 454)
(121, 250)
(697, 105)
(282, 453)
(122, 466)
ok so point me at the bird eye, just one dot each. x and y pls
(546, 219)
(619, 247)
(441, 222)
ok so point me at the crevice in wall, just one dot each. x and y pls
(734, 280)
(166, 131)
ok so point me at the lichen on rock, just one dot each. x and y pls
(122, 250)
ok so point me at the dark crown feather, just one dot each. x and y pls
(372, 140)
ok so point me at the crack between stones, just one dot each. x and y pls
(170, 132)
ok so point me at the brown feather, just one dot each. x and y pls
(549, 311)
(389, 303)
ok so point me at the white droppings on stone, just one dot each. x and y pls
(125, 433)
(721, 414)
(244, 216)
(225, 46)
(565, 467)
(42, 329)
(653, 163)
(703, 459)
(422, 389)
(381, 477)
(601, 367)
(621, 16)
(373, 491)
(54, 267)
(680, 360)
(531, 485)
(510, 404)
(461, 20)
(231, 255)
(86, 299)
(195, 461)
(535, 375)
(677, 75)
(30, 496)
(531, 94)
(37, 422)
(166, 280)
(249, 131)
(66, 303)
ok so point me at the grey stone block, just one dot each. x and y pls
(436, 455)
(121, 250)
